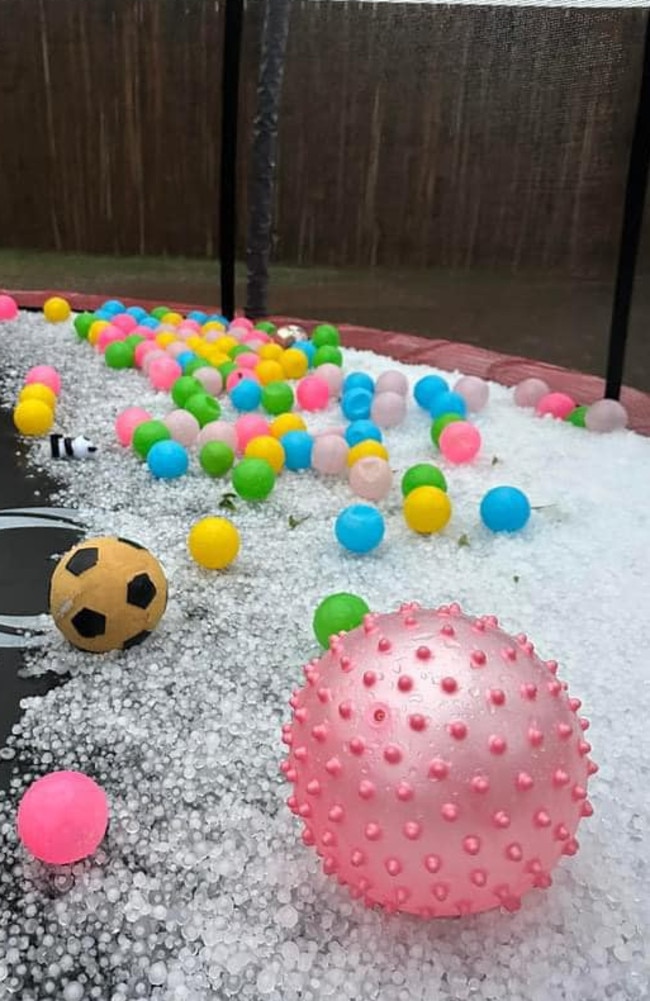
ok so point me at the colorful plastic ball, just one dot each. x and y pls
(128, 421)
(249, 426)
(217, 431)
(294, 363)
(246, 359)
(163, 373)
(328, 355)
(204, 407)
(125, 322)
(56, 310)
(440, 424)
(62, 818)
(95, 330)
(37, 391)
(269, 371)
(325, 334)
(213, 543)
(119, 355)
(423, 475)
(253, 479)
(183, 427)
(113, 306)
(147, 434)
(427, 510)
(109, 335)
(46, 375)
(577, 417)
(216, 458)
(150, 357)
(167, 460)
(363, 430)
(269, 448)
(388, 409)
(277, 398)
(460, 442)
(150, 322)
(298, 446)
(338, 613)
(333, 376)
(8, 308)
(82, 324)
(474, 391)
(356, 404)
(308, 350)
(505, 509)
(33, 418)
(285, 423)
(313, 393)
(392, 382)
(358, 380)
(184, 387)
(428, 388)
(198, 316)
(186, 358)
(246, 395)
(330, 455)
(141, 352)
(365, 449)
(371, 478)
(529, 392)
(605, 416)
(210, 379)
(558, 405)
(137, 312)
(266, 326)
(271, 352)
(240, 375)
(448, 403)
(359, 528)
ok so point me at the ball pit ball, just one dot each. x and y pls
(62, 818)
(474, 391)
(388, 409)
(356, 404)
(147, 434)
(95, 330)
(313, 393)
(577, 417)
(440, 424)
(37, 391)
(163, 373)
(182, 426)
(249, 426)
(370, 478)
(277, 398)
(8, 308)
(213, 543)
(125, 322)
(167, 460)
(141, 352)
(285, 423)
(268, 448)
(266, 327)
(308, 350)
(217, 431)
(505, 509)
(338, 613)
(151, 357)
(127, 421)
(529, 392)
(268, 371)
(427, 389)
(363, 430)
(423, 475)
(392, 382)
(82, 324)
(365, 448)
(448, 403)
(184, 387)
(216, 458)
(432, 781)
(427, 510)
(33, 418)
(46, 375)
(253, 479)
(328, 355)
(204, 407)
(558, 405)
(333, 376)
(119, 355)
(109, 335)
(56, 310)
(605, 416)
(359, 528)
(460, 442)
(107, 594)
(210, 379)
(294, 363)
(330, 455)
(358, 380)
(298, 447)
(246, 395)
(325, 334)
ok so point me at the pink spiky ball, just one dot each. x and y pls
(438, 764)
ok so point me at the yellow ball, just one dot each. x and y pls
(294, 363)
(95, 330)
(56, 310)
(271, 352)
(365, 449)
(194, 342)
(213, 543)
(226, 344)
(265, 446)
(269, 371)
(217, 357)
(33, 417)
(427, 510)
(165, 339)
(212, 325)
(172, 318)
(37, 391)
(285, 423)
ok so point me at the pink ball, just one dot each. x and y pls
(371, 478)
(210, 379)
(330, 454)
(151, 357)
(62, 818)
(175, 349)
(474, 391)
(46, 375)
(248, 360)
(163, 373)
(445, 773)
(388, 409)
(142, 350)
(128, 421)
(255, 337)
(313, 393)
(183, 427)
(392, 382)
(529, 392)
(145, 332)
(192, 325)
(333, 376)
(125, 322)
(242, 322)
(109, 335)
(460, 442)
(239, 374)
(217, 431)
(248, 427)
(8, 308)
(605, 416)
(557, 405)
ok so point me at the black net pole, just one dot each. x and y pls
(232, 35)
(635, 194)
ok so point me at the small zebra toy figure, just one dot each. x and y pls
(71, 448)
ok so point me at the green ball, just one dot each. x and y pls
(147, 434)
(184, 387)
(440, 424)
(216, 458)
(194, 366)
(119, 354)
(239, 349)
(577, 417)
(253, 479)
(160, 311)
(338, 613)
(328, 355)
(82, 324)
(422, 475)
(325, 334)
(204, 407)
(226, 368)
(266, 326)
(133, 340)
(277, 398)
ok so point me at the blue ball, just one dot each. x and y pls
(246, 395)
(356, 404)
(505, 509)
(297, 447)
(358, 380)
(113, 306)
(185, 357)
(448, 403)
(198, 316)
(150, 321)
(359, 528)
(427, 388)
(219, 318)
(363, 430)
(308, 349)
(167, 460)
(137, 312)
(104, 314)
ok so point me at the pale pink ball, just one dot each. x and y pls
(255, 337)
(371, 478)
(8, 308)
(474, 391)
(163, 373)
(125, 322)
(212, 336)
(313, 393)
(605, 416)
(151, 357)
(128, 421)
(184, 335)
(445, 772)
(392, 382)
(217, 431)
(243, 322)
(330, 454)
(238, 375)
(333, 376)
(183, 427)
(529, 392)
(558, 405)
(248, 360)
(248, 427)
(460, 442)
(388, 409)
(145, 332)
(109, 335)
(62, 818)
(210, 379)
(46, 375)
(142, 350)
(175, 349)
(192, 325)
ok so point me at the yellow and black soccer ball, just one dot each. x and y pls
(107, 594)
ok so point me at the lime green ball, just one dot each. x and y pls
(194, 366)
(266, 326)
(133, 340)
(147, 434)
(119, 354)
(184, 387)
(277, 398)
(577, 417)
(226, 368)
(440, 424)
(328, 355)
(82, 324)
(338, 613)
(239, 349)
(160, 311)
(216, 458)
(325, 335)
(253, 479)
(204, 407)
(422, 475)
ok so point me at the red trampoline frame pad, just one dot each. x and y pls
(449, 356)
